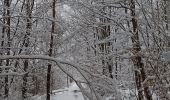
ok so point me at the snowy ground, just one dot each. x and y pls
(71, 93)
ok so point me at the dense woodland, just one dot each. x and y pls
(104, 46)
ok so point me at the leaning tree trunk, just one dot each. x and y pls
(137, 60)
(50, 51)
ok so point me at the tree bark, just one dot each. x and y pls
(26, 44)
(51, 51)
(6, 31)
(103, 33)
(8, 44)
(137, 60)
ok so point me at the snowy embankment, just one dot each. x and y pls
(71, 93)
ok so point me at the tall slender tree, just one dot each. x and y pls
(6, 36)
(7, 5)
(28, 9)
(104, 31)
(140, 74)
(50, 51)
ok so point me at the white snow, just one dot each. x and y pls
(166, 56)
(71, 93)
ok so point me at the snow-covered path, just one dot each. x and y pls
(71, 93)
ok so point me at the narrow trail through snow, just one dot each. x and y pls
(71, 93)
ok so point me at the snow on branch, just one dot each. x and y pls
(167, 85)
(58, 62)
(11, 74)
(8, 67)
(148, 79)
(166, 56)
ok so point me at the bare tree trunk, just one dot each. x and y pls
(103, 33)
(50, 51)
(116, 65)
(3, 31)
(6, 29)
(26, 44)
(138, 64)
(67, 81)
(2, 37)
(8, 44)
